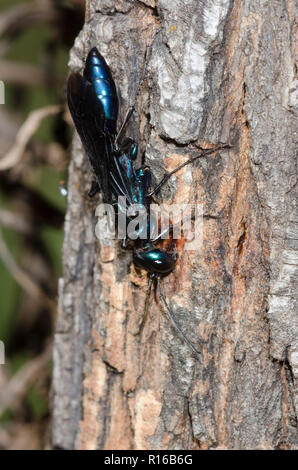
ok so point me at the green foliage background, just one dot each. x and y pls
(29, 48)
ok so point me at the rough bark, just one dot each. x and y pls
(219, 71)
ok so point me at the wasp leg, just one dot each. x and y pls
(152, 278)
(124, 124)
(95, 188)
(126, 145)
(168, 175)
(154, 235)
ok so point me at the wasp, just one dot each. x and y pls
(94, 105)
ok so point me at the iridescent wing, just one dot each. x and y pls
(89, 118)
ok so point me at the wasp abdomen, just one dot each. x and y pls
(98, 73)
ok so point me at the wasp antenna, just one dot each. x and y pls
(146, 60)
(132, 108)
(203, 153)
(174, 322)
(143, 72)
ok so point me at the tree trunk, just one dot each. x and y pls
(218, 71)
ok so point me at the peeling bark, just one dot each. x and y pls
(219, 71)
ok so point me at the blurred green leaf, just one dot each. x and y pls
(53, 239)
(46, 180)
(30, 48)
(6, 416)
(18, 360)
(36, 403)
(10, 3)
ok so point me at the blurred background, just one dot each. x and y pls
(35, 141)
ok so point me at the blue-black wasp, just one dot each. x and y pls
(93, 103)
